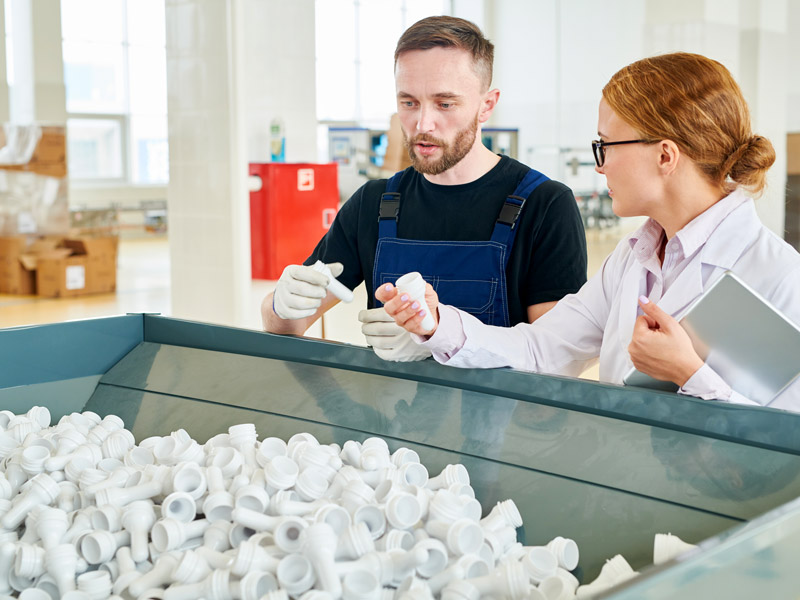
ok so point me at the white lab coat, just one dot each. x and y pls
(597, 321)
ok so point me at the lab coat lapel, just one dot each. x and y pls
(632, 287)
(726, 244)
(683, 291)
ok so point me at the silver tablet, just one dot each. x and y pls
(740, 335)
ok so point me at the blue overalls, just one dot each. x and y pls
(469, 275)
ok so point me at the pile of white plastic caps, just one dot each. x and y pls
(85, 513)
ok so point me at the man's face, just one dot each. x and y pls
(439, 101)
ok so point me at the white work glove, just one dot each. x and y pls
(388, 339)
(300, 291)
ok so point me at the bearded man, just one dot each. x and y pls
(494, 237)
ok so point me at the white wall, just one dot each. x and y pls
(764, 73)
(551, 61)
(750, 38)
(280, 82)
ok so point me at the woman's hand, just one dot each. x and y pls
(660, 347)
(407, 313)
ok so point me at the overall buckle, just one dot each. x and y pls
(390, 206)
(511, 210)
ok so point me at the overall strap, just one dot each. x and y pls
(505, 229)
(390, 207)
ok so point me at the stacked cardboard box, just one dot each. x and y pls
(49, 156)
(58, 267)
(37, 253)
(33, 180)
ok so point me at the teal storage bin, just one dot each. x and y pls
(608, 466)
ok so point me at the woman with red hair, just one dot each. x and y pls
(676, 146)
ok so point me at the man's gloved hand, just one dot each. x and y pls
(300, 291)
(388, 339)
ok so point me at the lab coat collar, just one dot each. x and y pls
(732, 236)
(695, 234)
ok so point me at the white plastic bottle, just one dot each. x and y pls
(413, 285)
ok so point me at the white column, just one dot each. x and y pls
(49, 91)
(38, 93)
(5, 113)
(207, 194)
(21, 90)
(232, 66)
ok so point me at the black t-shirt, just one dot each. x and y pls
(547, 262)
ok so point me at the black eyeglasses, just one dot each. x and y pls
(600, 154)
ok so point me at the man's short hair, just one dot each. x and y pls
(450, 32)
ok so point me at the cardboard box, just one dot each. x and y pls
(14, 277)
(18, 259)
(91, 268)
(49, 156)
(793, 154)
(33, 183)
(58, 267)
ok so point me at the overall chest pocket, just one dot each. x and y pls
(468, 275)
(475, 296)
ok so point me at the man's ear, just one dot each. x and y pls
(487, 105)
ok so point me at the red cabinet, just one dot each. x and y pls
(291, 211)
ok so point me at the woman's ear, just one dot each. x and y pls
(669, 156)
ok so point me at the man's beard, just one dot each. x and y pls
(451, 153)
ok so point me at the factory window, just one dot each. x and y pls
(116, 85)
(355, 41)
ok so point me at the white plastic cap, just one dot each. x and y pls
(334, 286)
